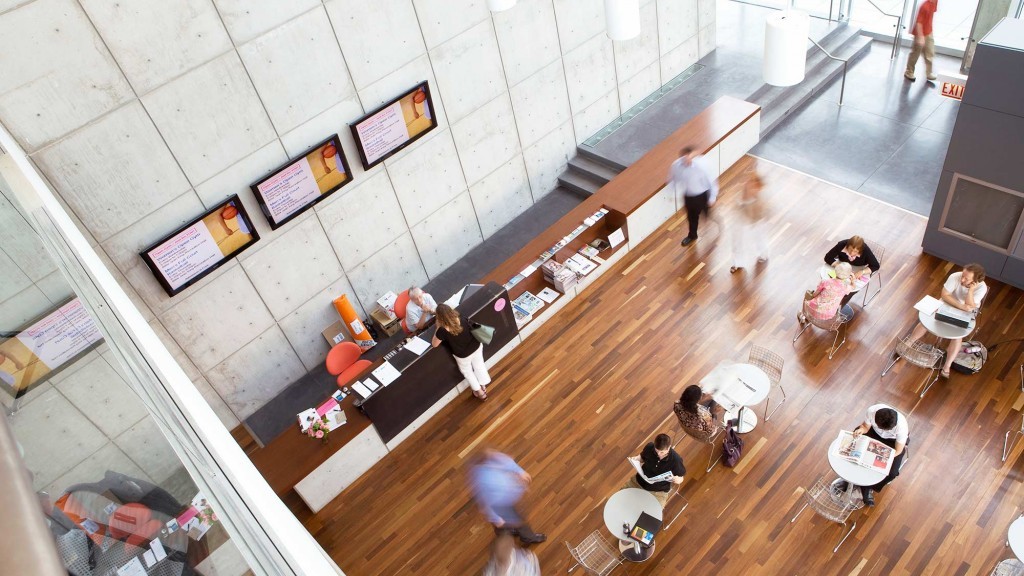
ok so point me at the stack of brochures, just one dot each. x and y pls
(562, 278)
(580, 265)
(524, 306)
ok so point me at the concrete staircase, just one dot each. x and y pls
(778, 103)
(590, 170)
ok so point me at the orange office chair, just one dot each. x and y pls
(343, 361)
(400, 303)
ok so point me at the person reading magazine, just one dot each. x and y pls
(886, 425)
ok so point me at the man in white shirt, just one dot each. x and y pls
(888, 426)
(692, 176)
(963, 290)
(420, 310)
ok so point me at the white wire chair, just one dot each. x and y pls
(821, 498)
(595, 555)
(834, 324)
(1009, 567)
(879, 251)
(709, 438)
(771, 364)
(919, 354)
(1007, 445)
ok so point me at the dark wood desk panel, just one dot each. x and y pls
(292, 456)
(434, 374)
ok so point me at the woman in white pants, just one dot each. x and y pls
(454, 329)
(748, 237)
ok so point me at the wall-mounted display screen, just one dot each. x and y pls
(394, 126)
(198, 248)
(302, 182)
(43, 347)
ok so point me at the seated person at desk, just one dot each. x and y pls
(657, 458)
(698, 411)
(420, 310)
(826, 299)
(885, 424)
(454, 328)
(963, 290)
(854, 252)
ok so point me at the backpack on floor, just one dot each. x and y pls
(971, 358)
(732, 447)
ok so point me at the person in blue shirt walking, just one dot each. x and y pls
(498, 483)
(692, 176)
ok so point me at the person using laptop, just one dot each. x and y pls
(963, 290)
(660, 462)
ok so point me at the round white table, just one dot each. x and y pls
(624, 507)
(942, 329)
(739, 386)
(854, 474)
(1015, 538)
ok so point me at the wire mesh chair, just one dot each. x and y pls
(595, 555)
(1007, 445)
(707, 437)
(771, 364)
(834, 324)
(919, 354)
(879, 251)
(821, 498)
(1009, 567)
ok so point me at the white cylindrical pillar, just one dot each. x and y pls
(622, 18)
(499, 5)
(785, 47)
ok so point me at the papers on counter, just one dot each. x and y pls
(548, 295)
(528, 270)
(134, 567)
(928, 305)
(148, 558)
(158, 549)
(361, 389)
(616, 238)
(417, 346)
(386, 373)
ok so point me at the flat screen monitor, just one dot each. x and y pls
(295, 187)
(395, 125)
(201, 246)
(37, 351)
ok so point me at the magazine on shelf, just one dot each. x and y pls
(528, 302)
(865, 451)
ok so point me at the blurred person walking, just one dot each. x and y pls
(507, 559)
(498, 483)
(748, 237)
(692, 176)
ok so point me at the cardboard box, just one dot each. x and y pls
(385, 323)
(387, 304)
(336, 334)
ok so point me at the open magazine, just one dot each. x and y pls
(864, 451)
(664, 477)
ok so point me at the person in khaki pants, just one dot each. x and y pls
(924, 40)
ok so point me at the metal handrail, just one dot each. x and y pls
(842, 87)
(899, 26)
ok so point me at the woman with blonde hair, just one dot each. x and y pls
(824, 301)
(454, 328)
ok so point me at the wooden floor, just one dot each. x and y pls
(594, 383)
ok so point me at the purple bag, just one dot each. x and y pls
(732, 447)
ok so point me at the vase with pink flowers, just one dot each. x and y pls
(318, 429)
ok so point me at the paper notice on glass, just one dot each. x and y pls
(158, 549)
(616, 238)
(386, 373)
(417, 346)
(134, 567)
(148, 558)
(928, 305)
(361, 389)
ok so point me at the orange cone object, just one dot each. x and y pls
(352, 322)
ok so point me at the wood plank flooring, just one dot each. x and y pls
(597, 381)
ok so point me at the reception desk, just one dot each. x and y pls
(633, 204)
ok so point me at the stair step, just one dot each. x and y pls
(579, 183)
(778, 104)
(593, 154)
(596, 170)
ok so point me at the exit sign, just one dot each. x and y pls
(952, 85)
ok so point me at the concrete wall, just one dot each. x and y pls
(143, 114)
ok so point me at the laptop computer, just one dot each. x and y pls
(954, 316)
(644, 529)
